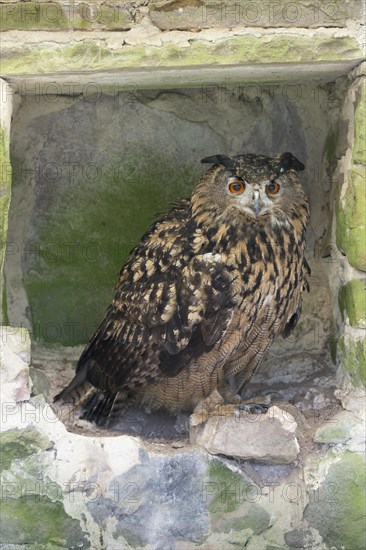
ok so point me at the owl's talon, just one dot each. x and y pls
(259, 408)
(272, 393)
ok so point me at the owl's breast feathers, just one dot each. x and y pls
(180, 288)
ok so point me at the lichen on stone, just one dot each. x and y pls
(359, 145)
(352, 299)
(351, 219)
(352, 354)
(90, 54)
(337, 508)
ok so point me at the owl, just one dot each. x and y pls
(203, 295)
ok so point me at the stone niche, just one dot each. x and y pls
(91, 160)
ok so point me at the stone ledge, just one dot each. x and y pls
(209, 77)
(95, 54)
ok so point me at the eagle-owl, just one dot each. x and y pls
(202, 296)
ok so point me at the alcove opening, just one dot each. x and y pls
(94, 162)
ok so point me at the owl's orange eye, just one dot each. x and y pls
(272, 188)
(236, 187)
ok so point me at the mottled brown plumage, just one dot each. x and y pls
(201, 298)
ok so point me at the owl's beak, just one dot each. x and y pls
(256, 202)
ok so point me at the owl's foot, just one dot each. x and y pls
(254, 408)
(206, 408)
(215, 406)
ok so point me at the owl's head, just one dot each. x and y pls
(252, 185)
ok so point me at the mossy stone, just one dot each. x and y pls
(20, 443)
(33, 16)
(353, 357)
(337, 429)
(84, 240)
(254, 518)
(351, 219)
(5, 190)
(36, 519)
(198, 14)
(339, 515)
(352, 299)
(359, 145)
(229, 490)
(91, 54)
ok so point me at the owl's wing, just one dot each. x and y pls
(169, 308)
(292, 321)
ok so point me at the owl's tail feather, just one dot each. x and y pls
(104, 408)
(77, 389)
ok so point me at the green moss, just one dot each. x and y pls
(92, 55)
(83, 239)
(229, 489)
(333, 435)
(33, 16)
(351, 219)
(352, 299)
(353, 358)
(256, 519)
(36, 519)
(58, 16)
(359, 146)
(333, 350)
(337, 508)
(5, 191)
(338, 430)
(18, 443)
(330, 145)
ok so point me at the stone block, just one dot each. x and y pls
(353, 357)
(6, 96)
(359, 145)
(337, 429)
(32, 16)
(38, 519)
(351, 219)
(14, 364)
(337, 507)
(203, 14)
(266, 438)
(352, 299)
(19, 443)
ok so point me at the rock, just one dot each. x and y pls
(358, 152)
(19, 443)
(352, 354)
(36, 519)
(351, 216)
(14, 364)
(337, 429)
(267, 438)
(336, 507)
(352, 298)
(201, 14)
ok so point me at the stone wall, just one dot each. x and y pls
(48, 37)
(106, 110)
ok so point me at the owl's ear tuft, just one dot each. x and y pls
(288, 162)
(224, 160)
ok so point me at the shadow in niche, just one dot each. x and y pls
(89, 177)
